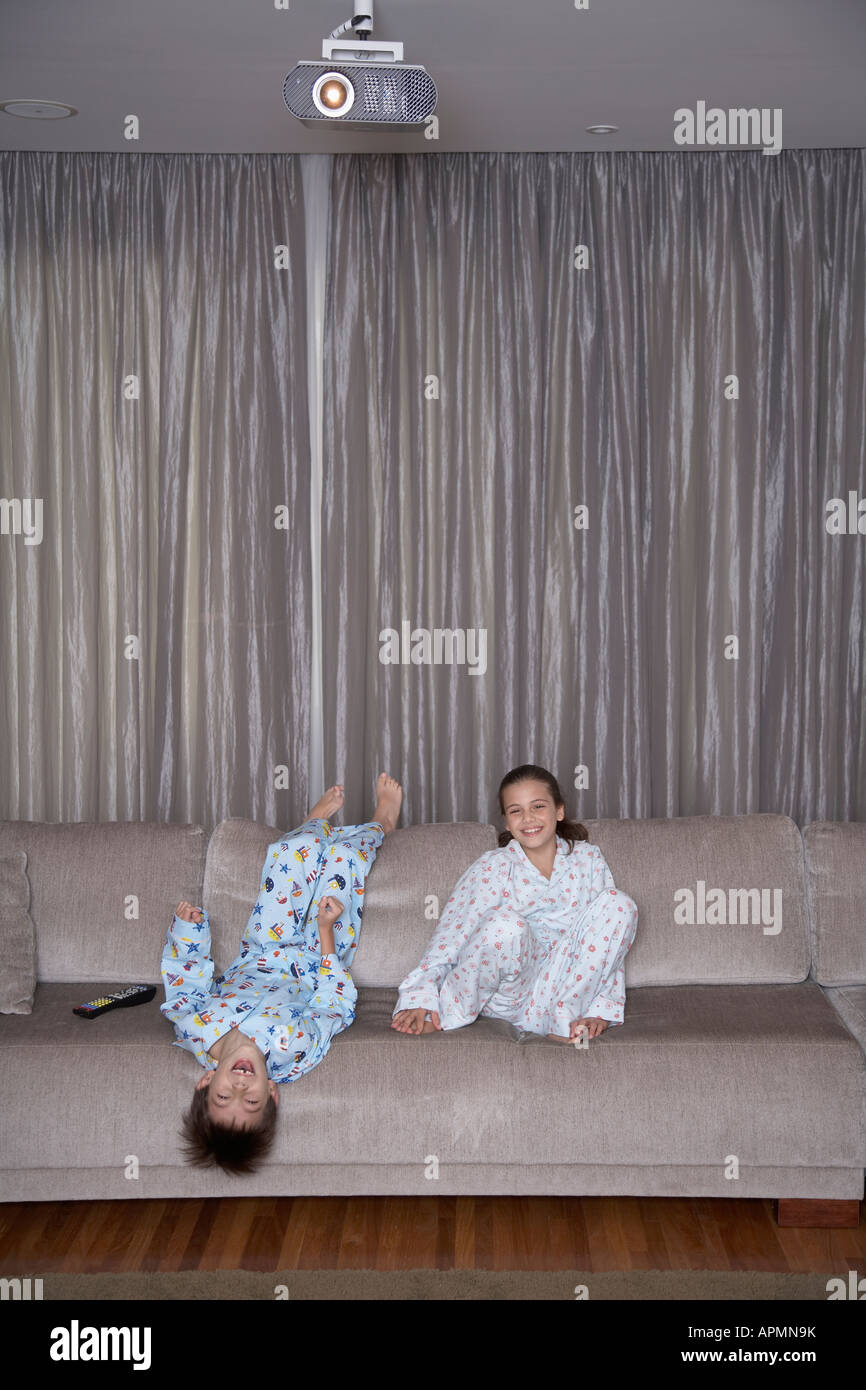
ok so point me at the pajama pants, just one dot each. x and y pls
(300, 869)
(541, 978)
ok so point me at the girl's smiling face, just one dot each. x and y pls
(530, 814)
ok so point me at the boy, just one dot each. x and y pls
(271, 1017)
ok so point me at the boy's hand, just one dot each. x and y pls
(330, 909)
(187, 913)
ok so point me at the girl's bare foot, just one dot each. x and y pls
(389, 795)
(327, 804)
(414, 1021)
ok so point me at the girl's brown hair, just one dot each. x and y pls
(569, 830)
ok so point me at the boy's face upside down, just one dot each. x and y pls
(239, 1088)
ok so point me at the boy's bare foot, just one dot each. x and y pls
(414, 1021)
(389, 795)
(331, 801)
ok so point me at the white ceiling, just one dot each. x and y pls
(207, 75)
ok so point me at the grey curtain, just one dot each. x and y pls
(155, 642)
(479, 387)
(697, 647)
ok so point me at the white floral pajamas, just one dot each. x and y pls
(538, 953)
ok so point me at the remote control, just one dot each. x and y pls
(118, 999)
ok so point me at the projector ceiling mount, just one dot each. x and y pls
(362, 83)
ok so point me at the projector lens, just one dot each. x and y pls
(333, 94)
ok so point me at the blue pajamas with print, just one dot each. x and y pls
(315, 861)
(280, 990)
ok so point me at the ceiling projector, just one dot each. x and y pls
(362, 84)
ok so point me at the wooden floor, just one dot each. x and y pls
(392, 1233)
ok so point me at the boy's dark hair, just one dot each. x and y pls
(237, 1151)
(569, 830)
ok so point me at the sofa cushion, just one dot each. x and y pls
(408, 885)
(836, 880)
(407, 888)
(232, 880)
(17, 936)
(849, 1001)
(103, 893)
(736, 873)
(416, 869)
(767, 1073)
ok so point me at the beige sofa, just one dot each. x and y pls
(739, 1070)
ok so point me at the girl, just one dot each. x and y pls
(535, 932)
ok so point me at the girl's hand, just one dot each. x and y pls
(591, 1026)
(187, 913)
(414, 1021)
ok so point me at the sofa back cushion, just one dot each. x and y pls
(721, 899)
(407, 889)
(739, 878)
(102, 894)
(17, 936)
(232, 881)
(836, 880)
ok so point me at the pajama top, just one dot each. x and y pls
(538, 952)
(280, 990)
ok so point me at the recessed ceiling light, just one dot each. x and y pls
(602, 129)
(38, 110)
